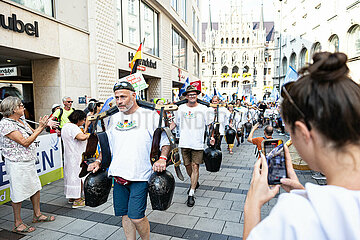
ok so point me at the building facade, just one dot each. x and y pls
(52, 48)
(307, 27)
(237, 55)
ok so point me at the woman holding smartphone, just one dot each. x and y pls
(321, 112)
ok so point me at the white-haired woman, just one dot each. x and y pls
(17, 147)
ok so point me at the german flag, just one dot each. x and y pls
(135, 62)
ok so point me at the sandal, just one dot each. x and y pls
(47, 219)
(25, 230)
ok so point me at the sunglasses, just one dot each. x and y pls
(70, 101)
(285, 94)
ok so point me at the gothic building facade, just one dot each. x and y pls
(237, 55)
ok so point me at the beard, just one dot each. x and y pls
(127, 107)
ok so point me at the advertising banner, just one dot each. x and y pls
(49, 164)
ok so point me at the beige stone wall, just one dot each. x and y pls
(66, 10)
(102, 48)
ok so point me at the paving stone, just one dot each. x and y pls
(184, 221)
(114, 220)
(213, 183)
(221, 204)
(221, 178)
(160, 217)
(50, 208)
(233, 229)
(214, 194)
(216, 236)
(100, 231)
(169, 230)
(179, 208)
(72, 237)
(228, 215)
(155, 236)
(5, 210)
(24, 214)
(48, 197)
(60, 222)
(77, 227)
(234, 197)
(196, 234)
(78, 213)
(109, 210)
(117, 235)
(200, 211)
(201, 201)
(210, 225)
(48, 235)
(238, 205)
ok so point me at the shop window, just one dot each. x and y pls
(196, 63)
(179, 50)
(44, 6)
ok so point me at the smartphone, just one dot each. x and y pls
(273, 150)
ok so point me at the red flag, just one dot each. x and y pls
(135, 62)
(197, 84)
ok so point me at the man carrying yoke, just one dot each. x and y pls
(130, 137)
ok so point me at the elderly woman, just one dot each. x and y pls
(74, 145)
(18, 149)
(322, 113)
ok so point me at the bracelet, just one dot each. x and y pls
(98, 160)
(163, 158)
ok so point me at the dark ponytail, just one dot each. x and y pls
(328, 97)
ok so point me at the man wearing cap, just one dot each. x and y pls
(130, 138)
(192, 118)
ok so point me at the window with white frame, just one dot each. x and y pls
(284, 66)
(354, 41)
(198, 29)
(179, 50)
(334, 43)
(303, 57)
(194, 22)
(43, 6)
(174, 4)
(137, 21)
(293, 60)
(196, 63)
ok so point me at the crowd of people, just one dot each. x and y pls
(320, 111)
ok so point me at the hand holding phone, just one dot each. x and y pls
(273, 150)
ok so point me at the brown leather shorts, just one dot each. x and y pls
(190, 155)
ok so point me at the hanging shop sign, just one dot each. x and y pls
(8, 72)
(31, 29)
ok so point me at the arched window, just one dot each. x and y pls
(243, 40)
(232, 40)
(233, 58)
(223, 58)
(246, 69)
(354, 41)
(224, 69)
(284, 66)
(235, 69)
(247, 40)
(222, 40)
(235, 84)
(303, 59)
(227, 40)
(224, 84)
(237, 40)
(293, 60)
(315, 48)
(334, 43)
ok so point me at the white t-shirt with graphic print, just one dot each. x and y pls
(130, 139)
(192, 122)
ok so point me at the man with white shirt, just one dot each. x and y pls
(224, 115)
(130, 138)
(192, 118)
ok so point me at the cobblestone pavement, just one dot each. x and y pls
(217, 214)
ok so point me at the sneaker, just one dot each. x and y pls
(71, 200)
(197, 186)
(191, 201)
(78, 203)
(318, 176)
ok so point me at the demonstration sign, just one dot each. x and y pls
(49, 164)
(137, 81)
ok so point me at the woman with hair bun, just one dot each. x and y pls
(322, 113)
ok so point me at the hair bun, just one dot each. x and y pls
(328, 66)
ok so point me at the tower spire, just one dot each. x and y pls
(209, 27)
(261, 24)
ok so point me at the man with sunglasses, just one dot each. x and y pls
(61, 115)
(192, 119)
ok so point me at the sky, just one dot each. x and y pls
(248, 6)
